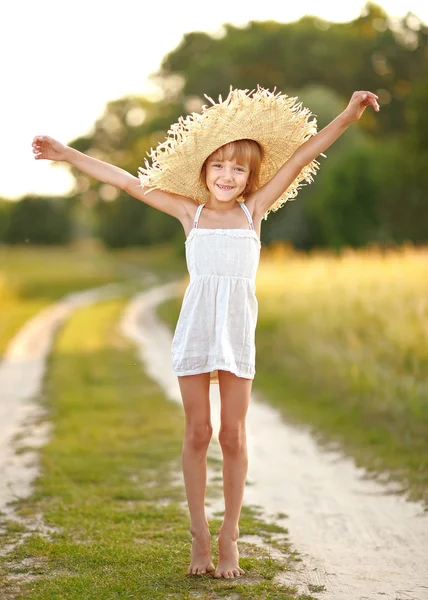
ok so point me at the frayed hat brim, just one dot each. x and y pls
(279, 123)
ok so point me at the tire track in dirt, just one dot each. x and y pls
(21, 378)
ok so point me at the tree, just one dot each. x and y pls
(5, 210)
(38, 220)
(322, 63)
(371, 52)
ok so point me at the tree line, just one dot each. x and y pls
(370, 188)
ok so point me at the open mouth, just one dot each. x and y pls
(224, 187)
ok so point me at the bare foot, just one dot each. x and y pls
(228, 566)
(200, 555)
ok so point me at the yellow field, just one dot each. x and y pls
(342, 344)
(370, 305)
(33, 277)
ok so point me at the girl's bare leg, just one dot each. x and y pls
(235, 398)
(197, 436)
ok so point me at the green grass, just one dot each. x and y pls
(32, 278)
(384, 429)
(114, 522)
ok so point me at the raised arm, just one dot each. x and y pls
(46, 147)
(265, 196)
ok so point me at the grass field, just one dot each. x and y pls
(114, 524)
(31, 278)
(342, 344)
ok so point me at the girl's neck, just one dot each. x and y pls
(222, 206)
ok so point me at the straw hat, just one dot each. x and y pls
(276, 121)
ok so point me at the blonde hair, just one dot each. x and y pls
(245, 152)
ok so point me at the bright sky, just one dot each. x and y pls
(62, 62)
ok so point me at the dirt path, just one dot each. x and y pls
(356, 537)
(21, 377)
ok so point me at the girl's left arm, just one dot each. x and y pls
(265, 196)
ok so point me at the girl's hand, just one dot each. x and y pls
(358, 104)
(45, 146)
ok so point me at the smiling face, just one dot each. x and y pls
(233, 170)
(226, 179)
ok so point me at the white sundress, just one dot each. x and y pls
(218, 317)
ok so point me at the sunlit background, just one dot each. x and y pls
(61, 63)
(342, 330)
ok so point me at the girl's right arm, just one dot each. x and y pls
(46, 147)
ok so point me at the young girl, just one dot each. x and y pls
(219, 173)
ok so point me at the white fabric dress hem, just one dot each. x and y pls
(214, 368)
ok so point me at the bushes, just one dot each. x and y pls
(128, 222)
(368, 192)
(5, 210)
(122, 223)
(35, 220)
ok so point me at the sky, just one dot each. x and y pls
(62, 62)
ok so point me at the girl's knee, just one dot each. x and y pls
(198, 436)
(232, 439)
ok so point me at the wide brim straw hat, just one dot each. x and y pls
(279, 123)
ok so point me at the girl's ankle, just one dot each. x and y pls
(231, 532)
(202, 530)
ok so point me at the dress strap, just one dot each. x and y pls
(247, 212)
(197, 215)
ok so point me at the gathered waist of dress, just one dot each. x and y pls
(193, 277)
